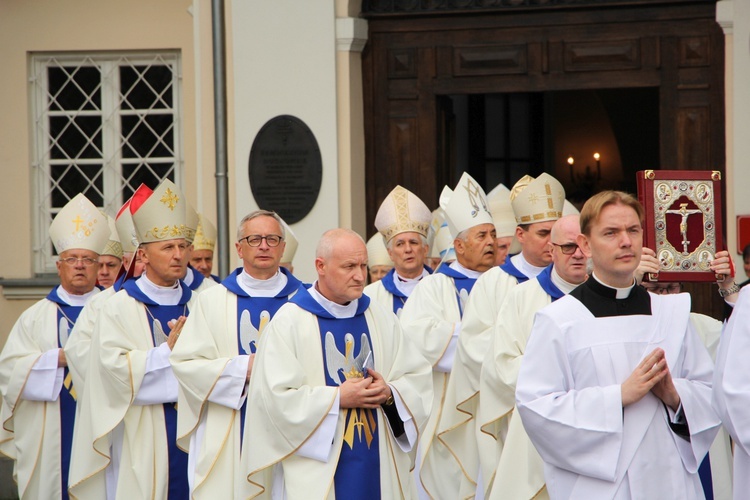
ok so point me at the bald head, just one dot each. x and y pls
(341, 264)
(569, 266)
(330, 238)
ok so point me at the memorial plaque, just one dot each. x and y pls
(286, 168)
(683, 222)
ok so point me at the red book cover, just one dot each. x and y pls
(683, 221)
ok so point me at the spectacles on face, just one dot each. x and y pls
(567, 248)
(254, 240)
(663, 288)
(72, 261)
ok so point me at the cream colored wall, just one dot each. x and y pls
(734, 18)
(285, 62)
(91, 25)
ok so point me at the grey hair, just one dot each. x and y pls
(260, 213)
(462, 235)
(389, 243)
(324, 249)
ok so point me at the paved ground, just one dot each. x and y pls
(7, 486)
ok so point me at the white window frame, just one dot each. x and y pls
(112, 160)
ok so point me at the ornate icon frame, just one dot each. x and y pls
(670, 192)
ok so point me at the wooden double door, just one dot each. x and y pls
(416, 57)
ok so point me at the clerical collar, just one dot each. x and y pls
(406, 285)
(469, 273)
(338, 311)
(189, 277)
(621, 293)
(262, 288)
(75, 300)
(564, 286)
(162, 295)
(523, 265)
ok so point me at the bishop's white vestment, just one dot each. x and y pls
(581, 349)
(210, 362)
(307, 350)
(39, 399)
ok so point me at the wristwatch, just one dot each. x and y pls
(725, 292)
(389, 401)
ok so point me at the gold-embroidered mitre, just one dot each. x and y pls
(402, 212)
(377, 254)
(537, 200)
(466, 206)
(113, 246)
(161, 215)
(80, 225)
(502, 211)
(205, 235)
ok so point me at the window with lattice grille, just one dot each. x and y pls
(103, 124)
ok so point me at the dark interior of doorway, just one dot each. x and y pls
(503, 136)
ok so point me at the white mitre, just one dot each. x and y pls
(126, 229)
(570, 209)
(192, 221)
(377, 254)
(80, 225)
(443, 245)
(502, 211)
(205, 235)
(161, 215)
(466, 206)
(537, 200)
(291, 244)
(113, 246)
(438, 219)
(402, 212)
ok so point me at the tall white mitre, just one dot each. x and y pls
(443, 245)
(192, 221)
(537, 200)
(126, 229)
(291, 244)
(377, 254)
(402, 212)
(466, 206)
(438, 219)
(113, 246)
(161, 215)
(79, 224)
(205, 235)
(502, 211)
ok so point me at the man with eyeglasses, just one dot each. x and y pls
(125, 441)
(614, 389)
(519, 470)
(537, 204)
(39, 398)
(214, 358)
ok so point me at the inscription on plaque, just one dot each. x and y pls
(286, 168)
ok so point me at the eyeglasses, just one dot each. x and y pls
(663, 288)
(87, 261)
(567, 248)
(254, 240)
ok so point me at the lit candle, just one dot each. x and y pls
(570, 163)
(598, 166)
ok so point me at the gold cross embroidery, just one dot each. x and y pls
(78, 221)
(169, 199)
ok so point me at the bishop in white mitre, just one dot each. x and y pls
(39, 396)
(433, 314)
(403, 221)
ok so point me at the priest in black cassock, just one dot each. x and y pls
(615, 387)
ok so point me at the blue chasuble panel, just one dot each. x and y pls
(358, 470)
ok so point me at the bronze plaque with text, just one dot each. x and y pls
(286, 168)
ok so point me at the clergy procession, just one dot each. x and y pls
(502, 345)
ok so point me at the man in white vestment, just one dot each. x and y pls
(126, 444)
(202, 256)
(504, 220)
(214, 357)
(432, 318)
(110, 260)
(536, 205)
(519, 471)
(339, 392)
(379, 263)
(403, 220)
(614, 389)
(39, 398)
